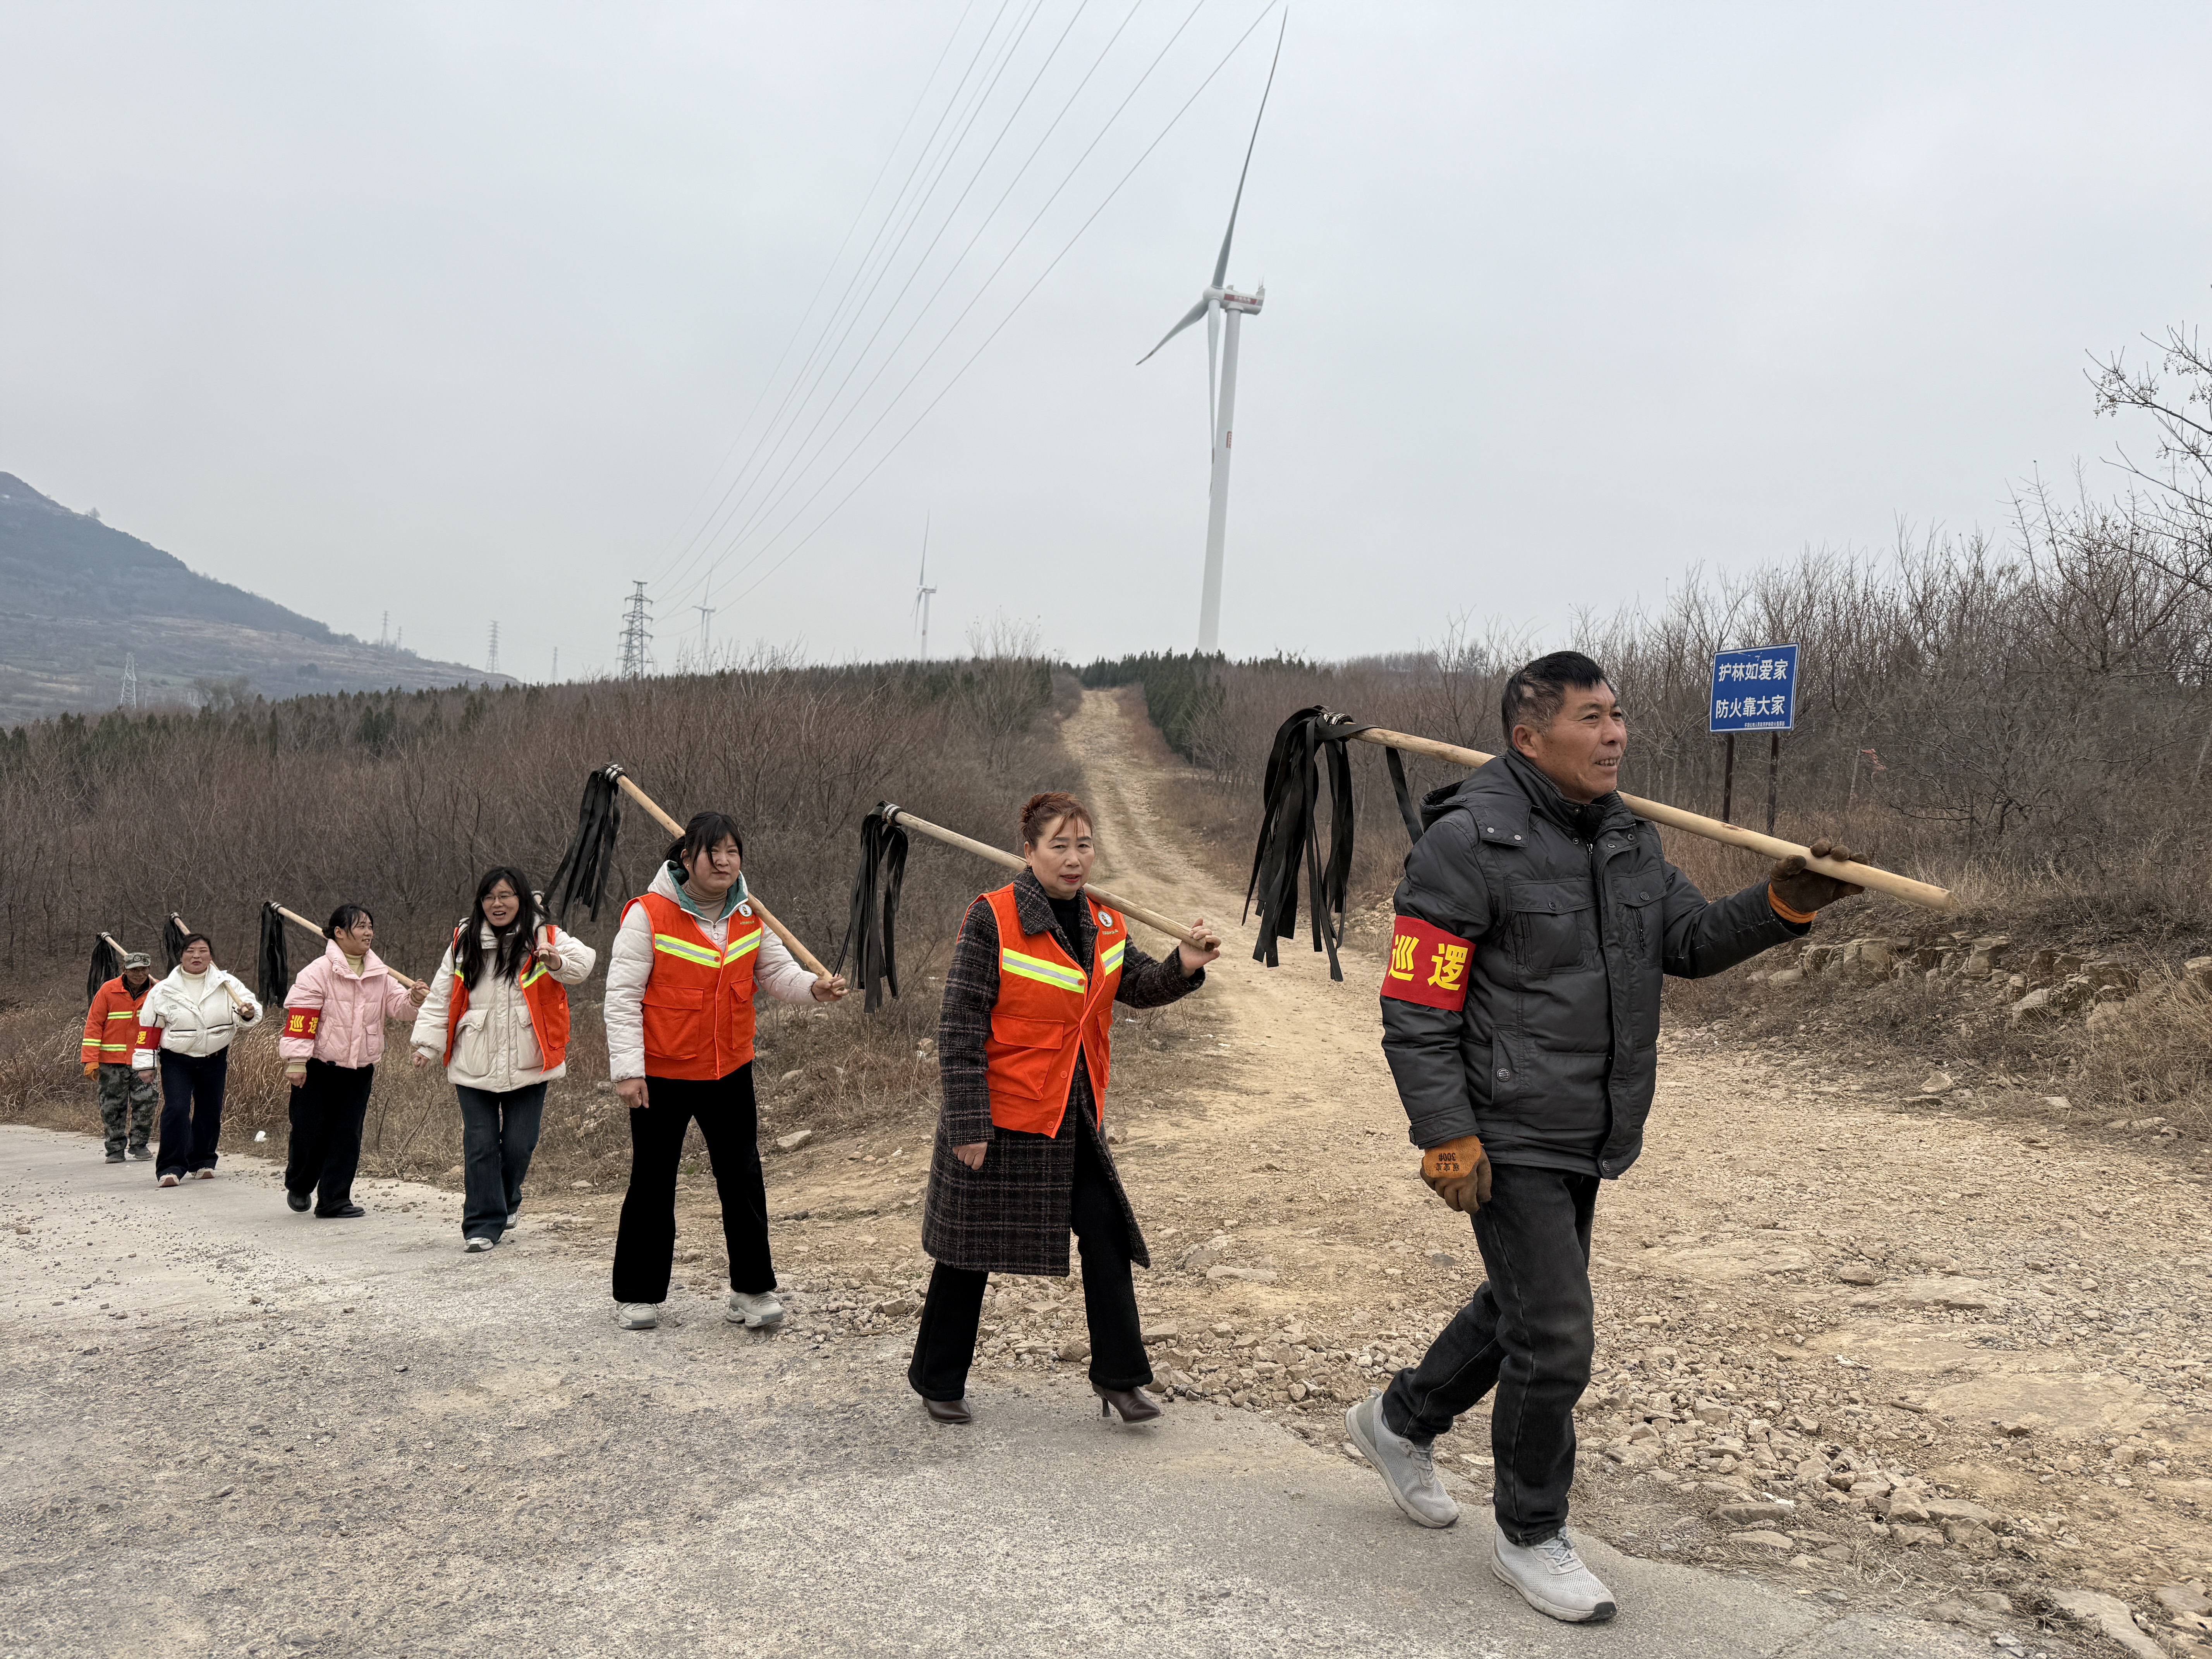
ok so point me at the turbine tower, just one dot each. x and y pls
(923, 593)
(1221, 389)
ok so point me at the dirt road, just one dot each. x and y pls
(260, 1433)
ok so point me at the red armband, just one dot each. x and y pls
(302, 1023)
(1427, 965)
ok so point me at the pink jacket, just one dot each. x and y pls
(345, 1011)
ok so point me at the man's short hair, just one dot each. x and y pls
(1537, 689)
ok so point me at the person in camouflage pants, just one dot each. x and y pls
(129, 1099)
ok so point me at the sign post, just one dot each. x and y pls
(1754, 691)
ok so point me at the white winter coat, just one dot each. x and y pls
(196, 1013)
(495, 1047)
(629, 964)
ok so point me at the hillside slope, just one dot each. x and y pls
(77, 596)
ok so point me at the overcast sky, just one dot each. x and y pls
(461, 311)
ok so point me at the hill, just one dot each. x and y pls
(78, 596)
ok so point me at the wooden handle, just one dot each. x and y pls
(184, 927)
(1174, 930)
(298, 921)
(1865, 875)
(805, 958)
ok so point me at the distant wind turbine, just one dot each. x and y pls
(923, 591)
(1221, 392)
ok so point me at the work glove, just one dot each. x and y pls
(92, 1068)
(1794, 888)
(1458, 1172)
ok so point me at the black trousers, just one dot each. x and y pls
(645, 1243)
(945, 1346)
(191, 1110)
(327, 1112)
(1529, 1334)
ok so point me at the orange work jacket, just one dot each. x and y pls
(545, 997)
(698, 1000)
(105, 1041)
(1049, 1010)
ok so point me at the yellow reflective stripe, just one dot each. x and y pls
(1036, 968)
(123, 1048)
(743, 947)
(704, 955)
(124, 1014)
(535, 974)
(1112, 960)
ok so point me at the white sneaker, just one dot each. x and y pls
(479, 1244)
(754, 1311)
(1407, 1466)
(637, 1315)
(1552, 1579)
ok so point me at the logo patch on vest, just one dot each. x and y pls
(1427, 966)
(1105, 918)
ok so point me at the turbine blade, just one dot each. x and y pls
(1189, 318)
(1221, 266)
(1212, 378)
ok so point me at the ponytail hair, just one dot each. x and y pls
(345, 916)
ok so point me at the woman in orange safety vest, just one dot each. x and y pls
(686, 961)
(1024, 1049)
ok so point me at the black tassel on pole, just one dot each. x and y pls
(586, 865)
(872, 928)
(106, 965)
(275, 971)
(173, 941)
(1289, 831)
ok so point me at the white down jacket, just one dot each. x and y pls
(495, 1048)
(197, 1013)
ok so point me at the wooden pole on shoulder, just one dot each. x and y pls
(805, 957)
(1174, 930)
(1865, 875)
(298, 921)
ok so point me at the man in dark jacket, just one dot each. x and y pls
(1520, 1017)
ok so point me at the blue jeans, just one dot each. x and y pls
(499, 1131)
(191, 1110)
(1529, 1333)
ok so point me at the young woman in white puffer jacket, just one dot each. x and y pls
(498, 1013)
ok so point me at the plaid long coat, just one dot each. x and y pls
(1012, 1215)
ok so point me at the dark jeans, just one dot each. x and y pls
(945, 1346)
(499, 1131)
(327, 1112)
(645, 1243)
(191, 1110)
(1529, 1334)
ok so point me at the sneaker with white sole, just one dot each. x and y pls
(1407, 1466)
(1552, 1579)
(479, 1244)
(754, 1311)
(637, 1315)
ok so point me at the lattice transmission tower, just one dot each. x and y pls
(491, 652)
(637, 634)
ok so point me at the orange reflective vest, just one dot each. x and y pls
(109, 1042)
(544, 996)
(1049, 1010)
(698, 999)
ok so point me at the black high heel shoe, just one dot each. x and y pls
(1134, 1404)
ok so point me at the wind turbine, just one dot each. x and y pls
(1221, 390)
(923, 591)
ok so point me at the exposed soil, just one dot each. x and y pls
(1809, 1300)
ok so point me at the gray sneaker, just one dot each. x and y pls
(1552, 1579)
(1406, 1466)
(637, 1315)
(754, 1312)
(479, 1244)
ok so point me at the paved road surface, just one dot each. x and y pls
(231, 1430)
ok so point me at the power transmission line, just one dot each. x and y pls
(946, 390)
